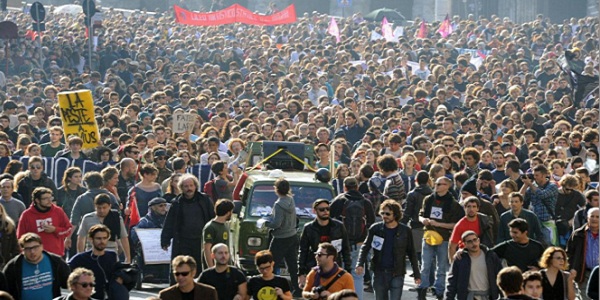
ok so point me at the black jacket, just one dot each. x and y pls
(414, 202)
(14, 268)
(310, 240)
(576, 249)
(460, 272)
(403, 247)
(337, 209)
(27, 185)
(173, 222)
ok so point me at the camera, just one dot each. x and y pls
(318, 290)
(527, 176)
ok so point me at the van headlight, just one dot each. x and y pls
(254, 241)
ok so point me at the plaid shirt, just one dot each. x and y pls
(543, 199)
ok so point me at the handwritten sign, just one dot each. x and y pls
(153, 252)
(78, 118)
(183, 122)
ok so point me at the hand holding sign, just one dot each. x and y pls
(183, 122)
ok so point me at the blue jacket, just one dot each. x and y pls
(460, 272)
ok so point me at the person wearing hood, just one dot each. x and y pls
(342, 208)
(47, 220)
(282, 223)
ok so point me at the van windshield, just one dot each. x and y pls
(263, 198)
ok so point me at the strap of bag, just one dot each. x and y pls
(340, 274)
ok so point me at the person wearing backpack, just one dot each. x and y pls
(358, 215)
(414, 201)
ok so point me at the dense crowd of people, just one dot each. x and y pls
(454, 151)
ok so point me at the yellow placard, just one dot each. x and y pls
(77, 113)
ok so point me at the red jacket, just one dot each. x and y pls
(32, 220)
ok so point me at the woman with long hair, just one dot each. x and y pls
(557, 282)
(501, 199)
(110, 177)
(9, 245)
(172, 190)
(341, 172)
(408, 171)
(145, 190)
(65, 198)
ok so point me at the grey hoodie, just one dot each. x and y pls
(283, 218)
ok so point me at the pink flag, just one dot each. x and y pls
(445, 27)
(422, 33)
(334, 30)
(386, 29)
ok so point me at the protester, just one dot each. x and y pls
(228, 280)
(267, 284)
(184, 268)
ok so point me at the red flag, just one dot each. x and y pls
(134, 215)
(422, 33)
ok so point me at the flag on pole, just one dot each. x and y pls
(386, 29)
(334, 29)
(422, 33)
(445, 27)
(134, 215)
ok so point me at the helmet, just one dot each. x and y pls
(323, 175)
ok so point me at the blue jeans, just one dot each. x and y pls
(387, 286)
(440, 253)
(358, 279)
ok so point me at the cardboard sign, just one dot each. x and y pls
(184, 122)
(153, 252)
(78, 118)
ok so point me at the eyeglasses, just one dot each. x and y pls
(86, 284)
(471, 241)
(35, 167)
(385, 213)
(323, 209)
(558, 258)
(319, 254)
(261, 269)
(136, 152)
(32, 248)
(183, 274)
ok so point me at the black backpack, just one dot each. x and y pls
(354, 219)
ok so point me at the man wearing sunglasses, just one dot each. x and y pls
(184, 269)
(322, 229)
(327, 278)
(81, 284)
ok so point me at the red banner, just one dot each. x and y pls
(234, 14)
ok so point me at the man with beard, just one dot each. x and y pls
(322, 229)
(472, 221)
(473, 273)
(186, 219)
(111, 218)
(216, 231)
(392, 243)
(229, 281)
(35, 273)
(47, 220)
(103, 263)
